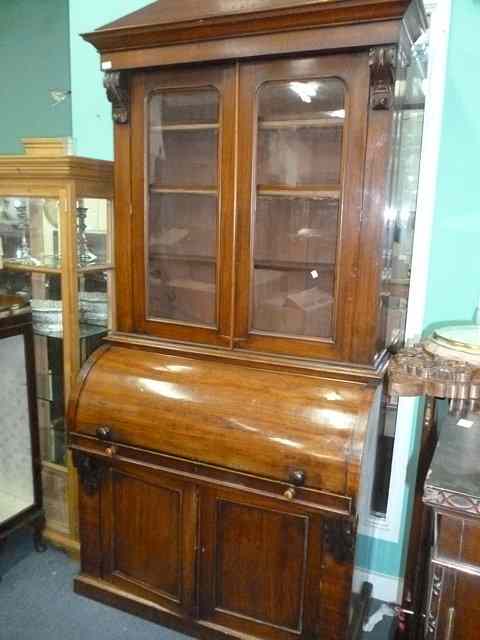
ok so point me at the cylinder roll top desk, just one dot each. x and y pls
(225, 433)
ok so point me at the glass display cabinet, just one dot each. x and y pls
(20, 467)
(225, 437)
(56, 251)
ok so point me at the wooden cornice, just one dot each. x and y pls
(158, 31)
(55, 168)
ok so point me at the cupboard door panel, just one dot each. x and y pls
(183, 134)
(261, 567)
(302, 141)
(156, 522)
(149, 535)
(270, 549)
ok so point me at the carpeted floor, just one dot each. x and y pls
(37, 602)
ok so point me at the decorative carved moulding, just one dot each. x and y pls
(464, 504)
(434, 603)
(115, 83)
(415, 372)
(382, 77)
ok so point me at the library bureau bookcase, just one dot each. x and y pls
(224, 433)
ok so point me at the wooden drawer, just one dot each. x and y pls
(457, 540)
(208, 475)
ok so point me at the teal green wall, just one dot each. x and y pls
(92, 115)
(454, 272)
(454, 279)
(34, 59)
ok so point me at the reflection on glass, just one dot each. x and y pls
(93, 231)
(94, 298)
(183, 206)
(400, 215)
(297, 212)
(16, 477)
(29, 228)
(398, 243)
(44, 292)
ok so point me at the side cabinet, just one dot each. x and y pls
(226, 559)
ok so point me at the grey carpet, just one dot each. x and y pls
(37, 602)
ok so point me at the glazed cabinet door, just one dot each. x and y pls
(265, 571)
(138, 530)
(183, 130)
(302, 140)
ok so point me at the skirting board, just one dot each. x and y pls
(385, 588)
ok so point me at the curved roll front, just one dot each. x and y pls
(267, 423)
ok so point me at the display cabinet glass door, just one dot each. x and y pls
(183, 277)
(38, 264)
(16, 471)
(301, 126)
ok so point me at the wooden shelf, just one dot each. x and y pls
(200, 191)
(286, 265)
(175, 257)
(318, 123)
(185, 127)
(309, 191)
(26, 268)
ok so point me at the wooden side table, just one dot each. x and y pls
(452, 492)
(425, 370)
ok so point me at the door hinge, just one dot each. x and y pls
(339, 538)
(90, 471)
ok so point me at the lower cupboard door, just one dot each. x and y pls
(264, 570)
(148, 535)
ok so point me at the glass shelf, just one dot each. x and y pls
(85, 331)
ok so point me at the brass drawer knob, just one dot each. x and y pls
(297, 477)
(290, 493)
(104, 433)
(111, 451)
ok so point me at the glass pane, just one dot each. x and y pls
(300, 133)
(297, 212)
(185, 107)
(94, 300)
(398, 240)
(400, 215)
(183, 290)
(183, 147)
(44, 291)
(93, 231)
(183, 225)
(16, 477)
(30, 233)
(183, 206)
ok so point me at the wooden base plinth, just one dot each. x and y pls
(105, 593)
(63, 541)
